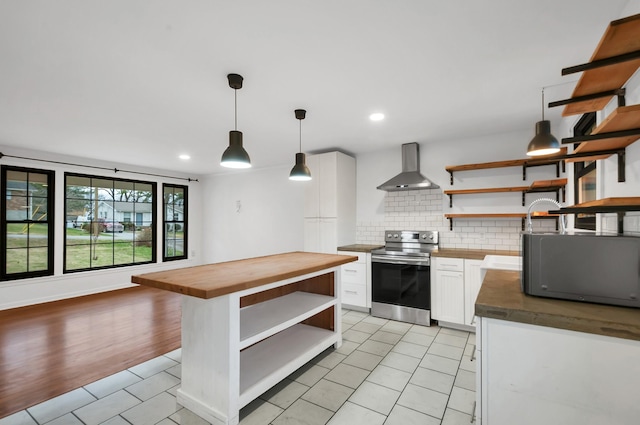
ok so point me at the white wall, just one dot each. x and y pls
(269, 219)
(23, 292)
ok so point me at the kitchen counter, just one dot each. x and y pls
(359, 247)
(548, 361)
(213, 280)
(501, 298)
(470, 254)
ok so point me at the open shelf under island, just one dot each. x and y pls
(248, 324)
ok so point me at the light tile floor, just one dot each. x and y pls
(385, 372)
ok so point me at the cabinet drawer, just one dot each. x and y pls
(450, 264)
(354, 273)
(354, 294)
(362, 256)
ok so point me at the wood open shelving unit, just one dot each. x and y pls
(522, 216)
(614, 61)
(556, 185)
(555, 159)
(620, 40)
(607, 205)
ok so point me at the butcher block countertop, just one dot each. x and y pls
(213, 280)
(470, 254)
(501, 298)
(359, 247)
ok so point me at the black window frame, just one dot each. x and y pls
(166, 221)
(50, 214)
(153, 226)
(583, 127)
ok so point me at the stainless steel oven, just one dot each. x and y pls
(401, 278)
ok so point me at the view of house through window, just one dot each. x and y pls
(27, 217)
(175, 222)
(110, 222)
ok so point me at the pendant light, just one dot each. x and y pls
(543, 143)
(235, 156)
(300, 171)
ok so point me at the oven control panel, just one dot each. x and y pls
(405, 236)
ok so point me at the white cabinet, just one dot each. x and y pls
(320, 235)
(539, 375)
(330, 202)
(472, 283)
(356, 281)
(455, 283)
(447, 289)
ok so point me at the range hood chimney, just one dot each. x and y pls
(410, 177)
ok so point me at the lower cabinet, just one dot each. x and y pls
(532, 375)
(472, 283)
(447, 289)
(356, 281)
(455, 283)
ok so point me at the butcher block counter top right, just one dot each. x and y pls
(501, 298)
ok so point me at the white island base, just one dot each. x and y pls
(231, 355)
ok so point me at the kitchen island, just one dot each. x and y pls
(548, 361)
(248, 324)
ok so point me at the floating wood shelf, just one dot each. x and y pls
(538, 186)
(524, 163)
(622, 37)
(522, 216)
(607, 205)
(622, 118)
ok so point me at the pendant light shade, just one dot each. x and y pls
(300, 171)
(235, 156)
(543, 143)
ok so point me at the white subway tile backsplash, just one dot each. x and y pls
(423, 210)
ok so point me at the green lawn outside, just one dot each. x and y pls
(27, 249)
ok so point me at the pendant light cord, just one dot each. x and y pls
(543, 104)
(300, 136)
(235, 108)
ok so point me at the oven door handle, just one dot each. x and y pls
(412, 261)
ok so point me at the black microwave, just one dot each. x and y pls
(592, 267)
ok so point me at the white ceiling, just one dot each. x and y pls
(142, 81)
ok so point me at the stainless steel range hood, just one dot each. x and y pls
(410, 177)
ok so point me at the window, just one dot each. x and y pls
(584, 172)
(27, 218)
(175, 222)
(101, 237)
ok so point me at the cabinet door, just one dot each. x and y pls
(448, 296)
(328, 172)
(472, 283)
(312, 234)
(328, 235)
(311, 191)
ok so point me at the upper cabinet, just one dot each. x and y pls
(332, 189)
(330, 202)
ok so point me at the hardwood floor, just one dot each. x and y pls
(49, 349)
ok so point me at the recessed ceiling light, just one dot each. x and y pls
(378, 116)
(184, 156)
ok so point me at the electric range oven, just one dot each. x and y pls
(401, 278)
